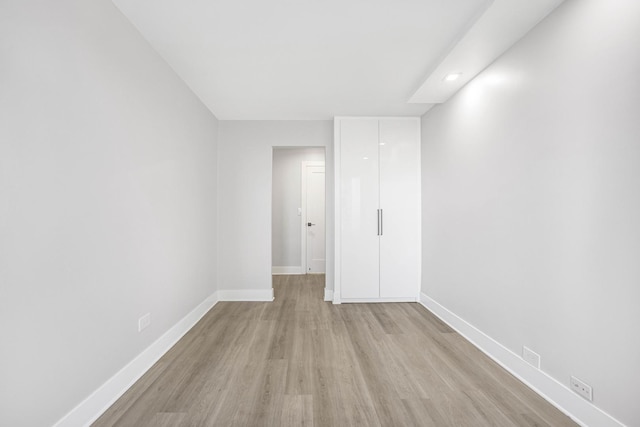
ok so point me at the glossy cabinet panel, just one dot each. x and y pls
(400, 204)
(359, 205)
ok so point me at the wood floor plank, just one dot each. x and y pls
(297, 411)
(301, 361)
(168, 419)
(418, 413)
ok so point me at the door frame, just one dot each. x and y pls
(303, 216)
(328, 212)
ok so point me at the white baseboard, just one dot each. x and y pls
(246, 295)
(287, 270)
(328, 294)
(559, 395)
(100, 400)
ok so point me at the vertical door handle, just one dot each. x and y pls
(378, 222)
(381, 222)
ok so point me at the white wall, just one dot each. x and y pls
(287, 199)
(244, 171)
(107, 202)
(531, 199)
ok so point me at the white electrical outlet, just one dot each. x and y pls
(582, 388)
(531, 357)
(144, 322)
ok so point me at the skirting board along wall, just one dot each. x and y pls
(559, 395)
(290, 269)
(100, 400)
(328, 294)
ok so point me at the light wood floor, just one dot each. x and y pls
(300, 361)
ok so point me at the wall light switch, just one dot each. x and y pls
(299, 211)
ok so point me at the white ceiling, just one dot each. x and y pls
(316, 59)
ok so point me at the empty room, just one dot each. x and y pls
(319, 213)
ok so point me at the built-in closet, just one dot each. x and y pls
(377, 164)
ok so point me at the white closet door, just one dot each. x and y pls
(359, 208)
(400, 202)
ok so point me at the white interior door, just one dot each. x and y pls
(400, 203)
(359, 241)
(315, 221)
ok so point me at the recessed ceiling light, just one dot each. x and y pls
(365, 158)
(452, 77)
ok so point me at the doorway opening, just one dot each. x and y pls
(298, 217)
